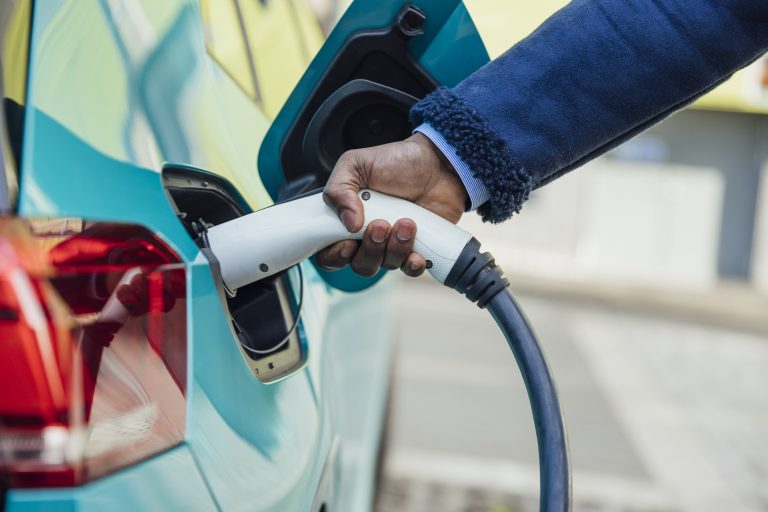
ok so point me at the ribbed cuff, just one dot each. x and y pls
(475, 188)
(483, 151)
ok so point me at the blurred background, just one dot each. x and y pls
(645, 274)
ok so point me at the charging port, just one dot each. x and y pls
(262, 314)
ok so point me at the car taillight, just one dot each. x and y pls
(93, 349)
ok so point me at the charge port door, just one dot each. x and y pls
(263, 315)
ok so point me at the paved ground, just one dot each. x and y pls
(664, 415)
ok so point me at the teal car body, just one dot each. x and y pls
(115, 90)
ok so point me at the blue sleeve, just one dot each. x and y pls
(593, 75)
(474, 186)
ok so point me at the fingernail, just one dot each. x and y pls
(347, 251)
(414, 267)
(378, 234)
(349, 218)
(405, 232)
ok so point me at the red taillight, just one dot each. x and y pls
(92, 349)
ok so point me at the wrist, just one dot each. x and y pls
(437, 164)
(475, 188)
(436, 159)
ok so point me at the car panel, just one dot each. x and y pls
(142, 88)
(139, 487)
(456, 51)
(355, 379)
(117, 87)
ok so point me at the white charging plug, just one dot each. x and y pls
(266, 242)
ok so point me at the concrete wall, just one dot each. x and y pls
(627, 223)
(676, 206)
(737, 146)
(760, 245)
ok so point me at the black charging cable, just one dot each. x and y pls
(476, 276)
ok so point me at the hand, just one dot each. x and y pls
(413, 169)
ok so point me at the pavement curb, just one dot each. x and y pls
(728, 304)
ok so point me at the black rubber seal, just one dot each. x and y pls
(476, 275)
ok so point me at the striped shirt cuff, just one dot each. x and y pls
(476, 190)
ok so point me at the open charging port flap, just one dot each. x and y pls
(262, 314)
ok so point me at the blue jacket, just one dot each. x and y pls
(593, 75)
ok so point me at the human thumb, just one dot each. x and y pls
(341, 196)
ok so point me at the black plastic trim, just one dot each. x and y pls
(359, 114)
(380, 56)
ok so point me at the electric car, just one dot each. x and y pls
(131, 377)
